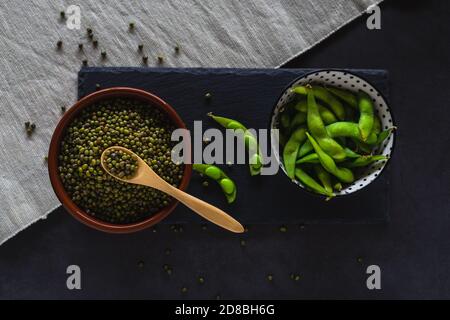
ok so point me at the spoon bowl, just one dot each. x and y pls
(145, 175)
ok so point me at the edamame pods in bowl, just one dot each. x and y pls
(335, 132)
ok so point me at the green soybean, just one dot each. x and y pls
(256, 159)
(312, 184)
(323, 95)
(305, 149)
(376, 125)
(298, 119)
(365, 160)
(324, 177)
(349, 130)
(326, 115)
(343, 174)
(366, 116)
(345, 95)
(337, 186)
(285, 120)
(228, 186)
(351, 154)
(291, 149)
(318, 130)
(384, 135)
(314, 158)
(310, 158)
(363, 147)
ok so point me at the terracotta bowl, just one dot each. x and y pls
(54, 150)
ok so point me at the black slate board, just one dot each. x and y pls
(247, 95)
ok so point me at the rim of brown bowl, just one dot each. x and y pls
(55, 144)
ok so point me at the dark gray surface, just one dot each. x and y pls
(249, 96)
(412, 251)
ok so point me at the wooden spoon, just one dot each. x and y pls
(147, 177)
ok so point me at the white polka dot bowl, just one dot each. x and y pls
(349, 81)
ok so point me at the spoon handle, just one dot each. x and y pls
(204, 209)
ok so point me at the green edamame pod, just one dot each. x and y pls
(324, 177)
(384, 135)
(228, 186)
(349, 130)
(365, 160)
(345, 95)
(343, 174)
(250, 141)
(255, 161)
(376, 125)
(305, 149)
(312, 184)
(227, 122)
(285, 120)
(318, 130)
(310, 158)
(366, 116)
(298, 119)
(350, 153)
(363, 147)
(291, 149)
(323, 95)
(337, 186)
(326, 115)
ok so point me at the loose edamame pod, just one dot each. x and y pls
(366, 116)
(255, 162)
(312, 184)
(324, 177)
(325, 96)
(345, 95)
(326, 115)
(318, 130)
(365, 160)
(228, 186)
(343, 174)
(291, 149)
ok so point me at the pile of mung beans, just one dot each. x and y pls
(129, 123)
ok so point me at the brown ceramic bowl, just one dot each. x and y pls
(55, 143)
